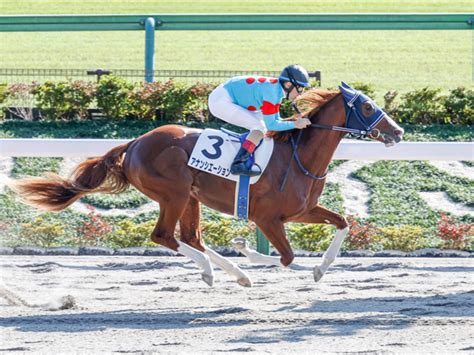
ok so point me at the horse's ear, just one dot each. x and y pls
(346, 90)
(346, 86)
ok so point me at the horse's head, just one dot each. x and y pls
(363, 115)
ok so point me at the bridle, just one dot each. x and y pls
(352, 113)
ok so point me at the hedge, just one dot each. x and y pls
(118, 99)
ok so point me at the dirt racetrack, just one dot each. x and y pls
(53, 304)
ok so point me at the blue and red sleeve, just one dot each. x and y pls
(271, 114)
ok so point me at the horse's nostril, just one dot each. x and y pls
(398, 132)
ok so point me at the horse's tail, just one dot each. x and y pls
(53, 193)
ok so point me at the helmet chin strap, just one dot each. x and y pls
(288, 90)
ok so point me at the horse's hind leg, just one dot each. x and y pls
(191, 234)
(322, 215)
(163, 234)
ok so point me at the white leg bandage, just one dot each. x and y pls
(255, 257)
(229, 267)
(331, 253)
(201, 259)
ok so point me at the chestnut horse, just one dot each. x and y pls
(156, 164)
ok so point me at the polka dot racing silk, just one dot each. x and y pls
(260, 94)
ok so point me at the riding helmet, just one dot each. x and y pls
(295, 74)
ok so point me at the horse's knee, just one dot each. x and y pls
(287, 258)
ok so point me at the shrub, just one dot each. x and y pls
(390, 105)
(459, 105)
(175, 97)
(80, 97)
(220, 231)
(404, 237)
(21, 98)
(94, 230)
(146, 99)
(423, 106)
(129, 234)
(455, 236)
(285, 109)
(3, 93)
(175, 101)
(366, 88)
(361, 234)
(42, 233)
(65, 99)
(113, 97)
(3, 99)
(196, 106)
(311, 237)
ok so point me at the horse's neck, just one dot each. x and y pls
(319, 148)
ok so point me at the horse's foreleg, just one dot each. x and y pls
(191, 234)
(228, 266)
(322, 215)
(254, 256)
(275, 233)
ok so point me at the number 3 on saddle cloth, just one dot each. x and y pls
(214, 153)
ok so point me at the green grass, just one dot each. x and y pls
(401, 60)
(131, 198)
(391, 60)
(35, 166)
(394, 185)
(8, 7)
(436, 133)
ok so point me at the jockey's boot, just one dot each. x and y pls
(239, 167)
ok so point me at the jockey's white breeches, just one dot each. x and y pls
(221, 106)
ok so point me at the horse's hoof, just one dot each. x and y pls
(209, 279)
(244, 281)
(239, 243)
(318, 274)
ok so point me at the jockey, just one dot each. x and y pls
(254, 103)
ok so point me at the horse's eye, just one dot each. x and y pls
(368, 106)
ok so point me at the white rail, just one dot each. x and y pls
(347, 150)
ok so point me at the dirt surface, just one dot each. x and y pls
(52, 304)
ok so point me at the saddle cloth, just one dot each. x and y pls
(215, 151)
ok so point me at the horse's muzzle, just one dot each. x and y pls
(390, 139)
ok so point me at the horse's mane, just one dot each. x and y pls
(309, 103)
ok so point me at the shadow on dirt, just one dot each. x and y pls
(295, 323)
